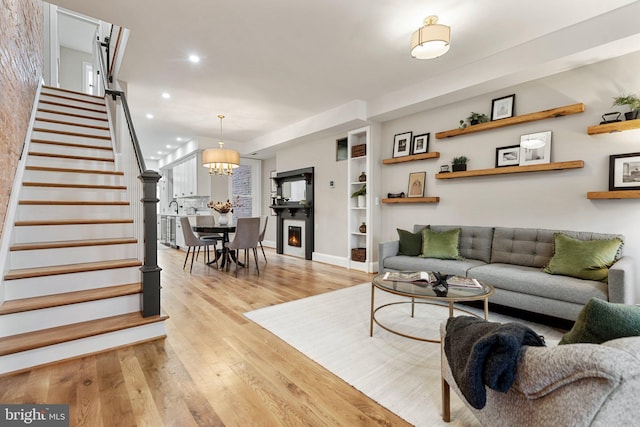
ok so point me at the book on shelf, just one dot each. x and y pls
(463, 282)
(410, 276)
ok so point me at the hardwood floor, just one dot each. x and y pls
(216, 367)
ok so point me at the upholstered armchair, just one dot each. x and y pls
(565, 385)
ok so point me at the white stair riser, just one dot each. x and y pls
(61, 283)
(62, 256)
(100, 121)
(70, 150)
(71, 349)
(77, 96)
(54, 233)
(48, 126)
(57, 162)
(63, 193)
(71, 110)
(71, 139)
(72, 103)
(41, 212)
(35, 320)
(73, 178)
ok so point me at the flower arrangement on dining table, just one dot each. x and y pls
(221, 207)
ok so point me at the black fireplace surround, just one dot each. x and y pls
(301, 210)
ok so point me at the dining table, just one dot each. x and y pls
(224, 230)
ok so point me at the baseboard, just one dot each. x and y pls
(330, 259)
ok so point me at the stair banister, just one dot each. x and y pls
(149, 178)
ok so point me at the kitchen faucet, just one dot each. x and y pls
(176, 202)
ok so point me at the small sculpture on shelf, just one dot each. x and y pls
(363, 228)
(362, 177)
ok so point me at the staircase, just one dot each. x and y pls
(73, 285)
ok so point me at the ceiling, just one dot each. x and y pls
(284, 70)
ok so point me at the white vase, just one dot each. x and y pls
(362, 201)
(223, 219)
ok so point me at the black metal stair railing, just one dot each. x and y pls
(149, 178)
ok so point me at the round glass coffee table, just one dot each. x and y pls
(423, 293)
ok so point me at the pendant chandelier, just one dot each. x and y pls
(220, 161)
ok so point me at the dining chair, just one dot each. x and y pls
(246, 237)
(263, 229)
(212, 238)
(192, 242)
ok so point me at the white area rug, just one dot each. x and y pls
(401, 374)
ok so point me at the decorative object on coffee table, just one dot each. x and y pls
(402, 144)
(416, 184)
(502, 108)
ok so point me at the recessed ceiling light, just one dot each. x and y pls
(194, 58)
(149, 116)
(161, 152)
(169, 146)
(179, 139)
(166, 95)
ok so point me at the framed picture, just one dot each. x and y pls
(535, 148)
(508, 156)
(420, 144)
(624, 171)
(402, 144)
(416, 184)
(341, 149)
(502, 108)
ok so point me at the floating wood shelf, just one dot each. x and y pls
(397, 200)
(516, 120)
(620, 194)
(573, 164)
(614, 127)
(414, 157)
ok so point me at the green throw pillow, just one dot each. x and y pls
(584, 259)
(601, 321)
(442, 245)
(410, 243)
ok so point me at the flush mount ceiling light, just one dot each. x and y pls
(430, 41)
(220, 161)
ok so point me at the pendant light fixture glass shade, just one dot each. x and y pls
(220, 161)
(430, 41)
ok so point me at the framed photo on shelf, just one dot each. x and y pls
(508, 156)
(503, 108)
(535, 148)
(624, 171)
(402, 144)
(416, 184)
(420, 144)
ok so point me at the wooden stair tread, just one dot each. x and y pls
(72, 243)
(67, 133)
(46, 337)
(71, 91)
(66, 156)
(57, 300)
(68, 98)
(64, 185)
(75, 107)
(74, 221)
(74, 202)
(72, 144)
(79, 116)
(62, 122)
(71, 170)
(25, 273)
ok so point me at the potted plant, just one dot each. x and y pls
(632, 101)
(360, 195)
(459, 163)
(476, 118)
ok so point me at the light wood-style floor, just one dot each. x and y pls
(215, 367)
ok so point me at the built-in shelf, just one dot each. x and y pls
(516, 120)
(614, 127)
(573, 164)
(412, 158)
(620, 194)
(412, 200)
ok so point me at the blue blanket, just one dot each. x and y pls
(485, 353)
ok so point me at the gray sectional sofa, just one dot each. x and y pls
(511, 259)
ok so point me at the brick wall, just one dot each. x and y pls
(21, 64)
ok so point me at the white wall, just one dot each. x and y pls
(71, 68)
(554, 200)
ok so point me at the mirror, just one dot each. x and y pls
(294, 190)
